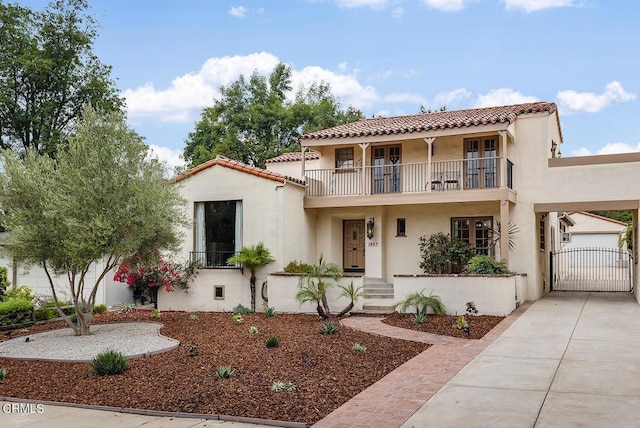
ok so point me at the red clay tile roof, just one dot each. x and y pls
(295, 156)
(431, 121)
(238, 166)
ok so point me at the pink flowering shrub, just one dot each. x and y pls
(142, 275)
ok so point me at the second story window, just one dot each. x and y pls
(344, 158)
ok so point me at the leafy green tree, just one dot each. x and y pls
(100, 200)
(252, 258)
(254, 120)
(48, 72)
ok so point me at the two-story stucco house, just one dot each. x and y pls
(363, 193)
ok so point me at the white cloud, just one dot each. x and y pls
(535, 5)
(238, 11)
(451, 98)
(503, 96)
(350, 4)
(343, 66)
(608, 149)
(171, 157)
(591, 102)
(344, 86)
(447, 5)
(189, 93)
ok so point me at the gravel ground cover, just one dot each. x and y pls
(325, 369)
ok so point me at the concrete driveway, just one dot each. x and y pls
(571, 360)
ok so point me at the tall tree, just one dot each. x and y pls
(48, 72)
(100, 200)
(254, 119)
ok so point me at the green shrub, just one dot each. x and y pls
(297, 267)
(240, 309)
(155, 314)
(272, 342)
(440, 254)
(270, 312)
(127, 307)
(193, 317)
(328, 327)
(99, 309)
(45, 314)
(461, 324)
(4, 280)
(3, 374)
(283, 386)
(224, 372)
(109, 363)
(486, 265)
(237, 318)
(421, 304)
(253, 329)
(359, 348)
(420, 318)
(23, 292)
(15, 304)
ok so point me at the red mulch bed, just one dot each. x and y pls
(443, 324)
(325, 369)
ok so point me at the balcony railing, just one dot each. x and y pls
(455, 175)
(213, 259)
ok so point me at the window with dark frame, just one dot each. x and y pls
(542, 233)
(401, 227)
(218, 292)
(475, 231)
(344, 158)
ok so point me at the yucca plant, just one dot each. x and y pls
(359, 348)
(328, 327)
(3, 374)
(270, 312)
(109, 363)
(272, 342)
(253, 329)
(283, 386)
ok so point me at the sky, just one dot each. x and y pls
(385, 57)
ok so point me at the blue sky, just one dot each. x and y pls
(386, 57)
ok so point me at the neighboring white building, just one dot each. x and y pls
(585, 229)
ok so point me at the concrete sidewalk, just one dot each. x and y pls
(571, 360)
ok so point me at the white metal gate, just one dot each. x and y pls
(591, 269)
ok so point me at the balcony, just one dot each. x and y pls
(213, 259)
(442, 181)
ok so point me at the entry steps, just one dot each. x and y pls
(378, 297)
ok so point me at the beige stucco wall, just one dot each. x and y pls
(272, 214)
(294, 168)
(491, 295)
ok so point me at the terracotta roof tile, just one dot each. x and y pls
(431, 121)
(294, 156)
(238, 166)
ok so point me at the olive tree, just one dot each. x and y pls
(102, 199)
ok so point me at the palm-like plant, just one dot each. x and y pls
(312, 286)
(421, 304)
(252, 258)
(352, 293)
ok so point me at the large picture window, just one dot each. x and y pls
(218, 232)
(475, 231)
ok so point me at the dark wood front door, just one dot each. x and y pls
(353, 234)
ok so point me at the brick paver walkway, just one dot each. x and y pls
(394, 398)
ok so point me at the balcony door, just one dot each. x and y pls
(481, 163)
(386, 169)
(353, 237)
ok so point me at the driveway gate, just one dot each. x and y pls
(591, 269)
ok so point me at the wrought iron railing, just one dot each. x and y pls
(213, 259)
(454, 175)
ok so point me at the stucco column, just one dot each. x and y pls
(429, 142)
(504, 230)
(503, 159)
(364, 146)
(302, 163)
(375, 247)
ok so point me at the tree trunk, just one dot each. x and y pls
(252, 282)
(325, 303)
(321, 312)
(345, 310)
(153, 292)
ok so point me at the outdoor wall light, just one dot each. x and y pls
(370, 225)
